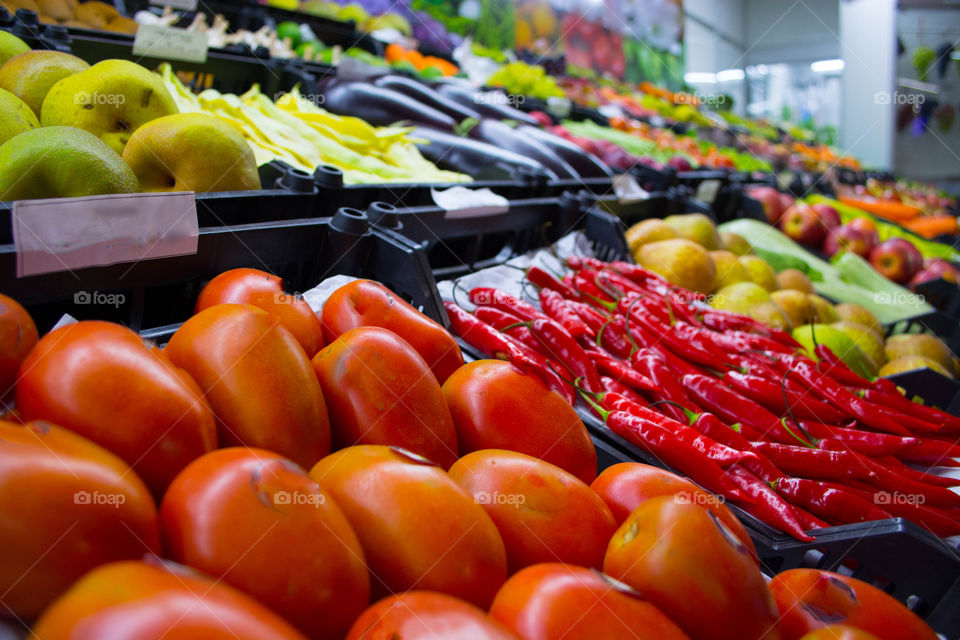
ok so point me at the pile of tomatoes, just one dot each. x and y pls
(270, 473)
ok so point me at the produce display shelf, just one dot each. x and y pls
(157, 293)
(458, 243)
(656, 205)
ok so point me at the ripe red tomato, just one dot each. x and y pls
(99, 380)
(418, 528)
(18, 335)
(684, 560)
(809, 599)
(627, 485)
(265, 291)
(425, 615)
(258, 522)
(141, 601)
(364, 303)
(380, 391)
(562, 601)
(68, 506)
(257, 379)
(839, 632)
(495, 406)
(543, 513)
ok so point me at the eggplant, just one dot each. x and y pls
(507, 138)
(468, 98)
(470, 156)
(380, 106)
(586, 164)
(419, 91)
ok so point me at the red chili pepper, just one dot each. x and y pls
(727, 321)
(665, 446)
(804, 369)
(703, 339)
(605, 278)
(821, 464)
(490, 297)
(931, 452)
(579, 263)
(868, 443)
(667, 387)
(807, 520)
(901, 506)
(768, 506)
(500, 320)
(915, 425)
(561, 346)
(612, 337)
(777, 398)
(589, 291)
(608, 365)
(555, 306)
(647, 304)
(919, 476)
(758, 464)
(837, 369)
(498, 345)
(831, 503)
(896, 400)
(885, 478)
(691, 351)
(715, 451)
(743, 342)
(544, 280)
(711, 394)
(611, 385)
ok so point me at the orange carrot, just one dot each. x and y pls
(884, 208)
(933, 226)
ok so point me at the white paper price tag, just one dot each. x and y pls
(460, 202)
(183, 5)
(627, 189)
(73, 233)
(170, 43)
(707, 191)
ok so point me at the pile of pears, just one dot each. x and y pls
(72, 13)
(689, 252)
(68, 129)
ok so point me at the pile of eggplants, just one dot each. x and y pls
(459, 129)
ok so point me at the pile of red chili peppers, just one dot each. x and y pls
(731, 403)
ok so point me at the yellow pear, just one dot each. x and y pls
(111, 99)
(191, 152)
(735, 243)
(729, 269)
(647, 231)
(795, 279)
(96, 14)
(10, 46)
(822, 309)
(31, 75)
(909, 363)
(61, 162)
(15, 116)
(682, 262)
(59, 10)
(868, 341)
(696, 227)
(921, 344)
(861, 315)
(795, 304)
(739, 297)
(760, 272)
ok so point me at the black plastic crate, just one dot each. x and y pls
(457, 245)
(903, 559)
(335, 194)
(160, 293)
(657, 205)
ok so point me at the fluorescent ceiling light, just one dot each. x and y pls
(729, 74)
(701, 78)
(826, 66)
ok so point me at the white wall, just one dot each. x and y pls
(708, 51)
(866, 124)
(788, 31)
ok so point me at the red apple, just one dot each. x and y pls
(801, 223)
(868, 228)
(828, 215)
(916, 258)
(769, 198)
(786, 201)
(891, 260)
(934, 268)
(846, 238)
